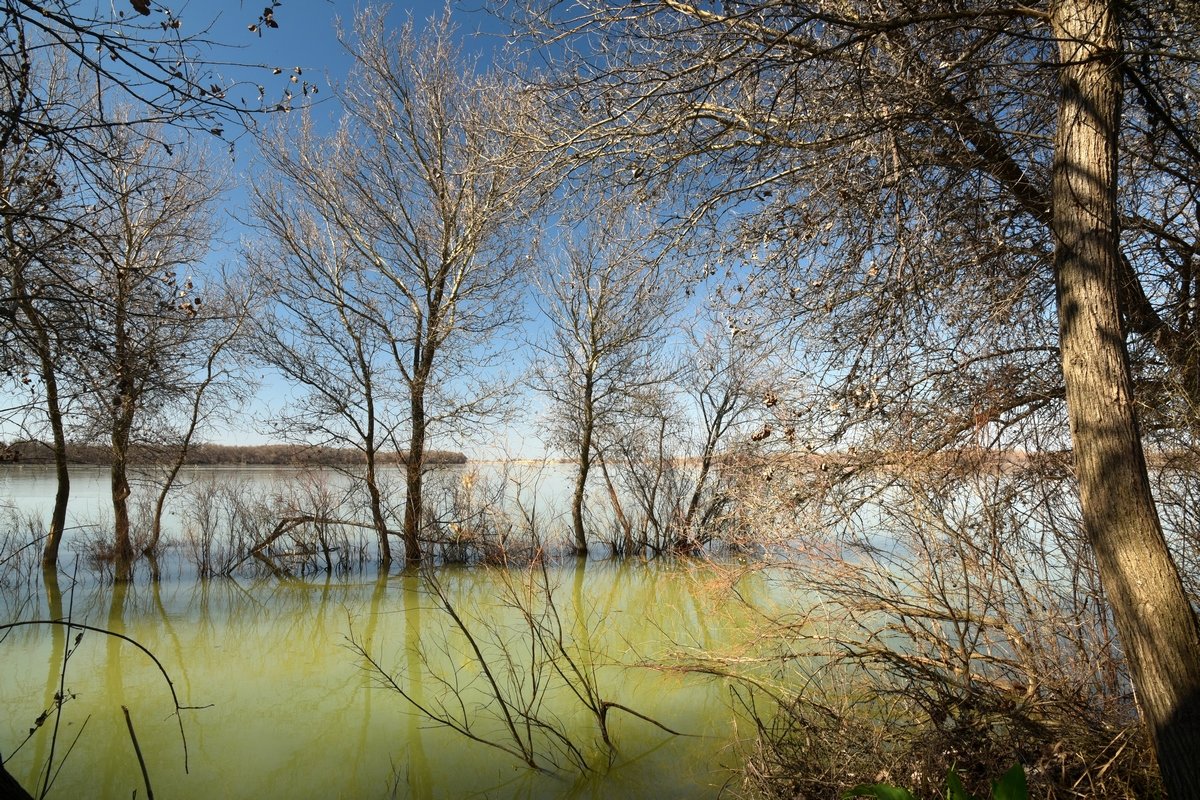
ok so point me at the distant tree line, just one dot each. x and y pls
(35, 452)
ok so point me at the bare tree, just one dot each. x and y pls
(323, 334)
(210, 382)
(423, 195)
(733, 373)
(610, 310)
(1119, 514)
(67, 72)
(152, 224)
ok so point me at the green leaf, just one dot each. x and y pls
(1011, 785)
(954, 787)
(880, 791)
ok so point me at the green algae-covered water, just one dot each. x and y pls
(290, 687)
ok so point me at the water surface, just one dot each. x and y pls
(287, 708)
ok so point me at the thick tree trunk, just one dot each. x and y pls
(62, 474)
(1156, 623)
(581, 474)
(124, 406)
(413, 475)
(119, 479)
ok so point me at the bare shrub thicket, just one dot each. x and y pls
(20, 533)
(21, 537)
(325, 539)
(649, 482)
(958, 621)
(94, 538)
(661, 463)
(297, 526)
(666, 501)
(222, 521)
(641, 478)
(484, 518)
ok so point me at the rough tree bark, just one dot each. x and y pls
(124, 401)
(583, 467)
(1154, 619)
(123, 554)
(62, 474)
(414, 464)
(414, 490)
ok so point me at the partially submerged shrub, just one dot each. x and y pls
(496, 677)
(472, 518)
(963, 619)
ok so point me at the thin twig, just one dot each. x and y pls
(607, 704)
(138, 750)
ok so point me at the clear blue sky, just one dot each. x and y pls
(307, 37)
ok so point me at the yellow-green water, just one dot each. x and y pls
(286, 708)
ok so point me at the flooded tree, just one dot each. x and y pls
(146, 320)
(321, 334)
(610, 308)
(56, 59)
(421, 198)
(40, 238)
(731, 381)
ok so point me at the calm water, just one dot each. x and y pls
(286, 707)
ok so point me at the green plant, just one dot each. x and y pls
(1011, 786)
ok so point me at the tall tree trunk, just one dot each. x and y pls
(119, 479)
(375, 498)
(413, 474)
(581, 474)
(126, 399)
(62, 474)
(54, 415)
(1156, 623)
(371, 445)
